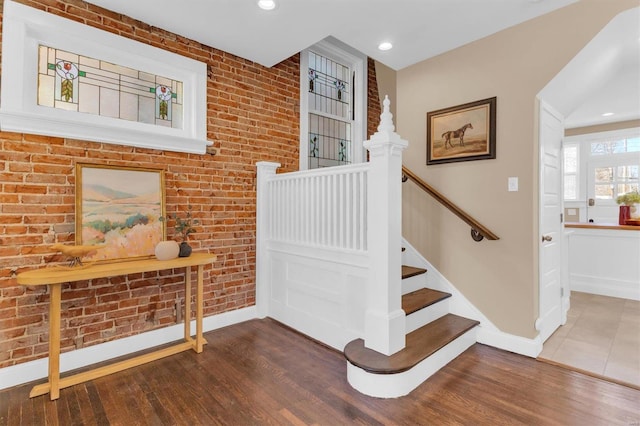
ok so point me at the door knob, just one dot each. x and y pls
(546, 238)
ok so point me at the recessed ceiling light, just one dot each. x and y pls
(266, 4)
(607, 114)
(385, 46)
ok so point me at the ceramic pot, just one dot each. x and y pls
(185, 249)
(167, 250)
(625, 213)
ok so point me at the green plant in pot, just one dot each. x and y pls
(629, 206)
(184, 227)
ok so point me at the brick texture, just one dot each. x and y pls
(252, 115)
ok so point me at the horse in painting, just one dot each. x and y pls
(452, 134)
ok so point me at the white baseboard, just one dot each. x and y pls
(604, 286)
(38, 369)
(510, 342)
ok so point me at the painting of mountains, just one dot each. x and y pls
(118, 210)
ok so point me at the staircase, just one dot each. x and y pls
(326, 237)
(434, 338)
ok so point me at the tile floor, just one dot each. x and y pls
(602, 336)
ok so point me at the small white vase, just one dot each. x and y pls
(634, 211)
(167, 250)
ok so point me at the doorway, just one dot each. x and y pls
(607, 321)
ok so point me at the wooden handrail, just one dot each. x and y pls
(478, 231)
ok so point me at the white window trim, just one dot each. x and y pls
(578, 172)
(587, 162)
(25, 28)
(333, 48)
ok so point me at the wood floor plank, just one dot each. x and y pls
(262, 373)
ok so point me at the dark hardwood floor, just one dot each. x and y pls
(261, 372)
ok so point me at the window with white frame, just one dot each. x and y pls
(571, 175)
(598, 168)
(614, 166)
(333, 105)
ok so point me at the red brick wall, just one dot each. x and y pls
(374, 105)
(253, 115)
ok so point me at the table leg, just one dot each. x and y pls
(199, 309)
(187, 303)
(54, 340)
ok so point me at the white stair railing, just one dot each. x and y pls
(353, 210)
(322, 207)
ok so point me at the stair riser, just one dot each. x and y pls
(426, 315)
(414, 283)
(400, 384)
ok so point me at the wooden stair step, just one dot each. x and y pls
(420, 299)
(420, 344)
(410, 271)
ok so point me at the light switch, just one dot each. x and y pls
(513, 183)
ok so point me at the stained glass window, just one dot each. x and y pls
(330, 112)
(80, 83)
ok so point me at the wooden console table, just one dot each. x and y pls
(55, 277)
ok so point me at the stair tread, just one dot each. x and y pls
(411, 271)
(420, 344)
(419, 299)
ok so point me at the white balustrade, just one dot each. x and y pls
(328, 246)
(320, 207)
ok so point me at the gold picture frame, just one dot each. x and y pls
(118, 210)
(462, 133)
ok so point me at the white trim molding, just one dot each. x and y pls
(26, 28)
(357, 62)
(35, 370)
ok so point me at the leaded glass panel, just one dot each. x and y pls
(330, 107)
(80, 83)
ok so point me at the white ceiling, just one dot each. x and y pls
(418, 29)
(603, 78)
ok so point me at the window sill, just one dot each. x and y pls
(131, 134)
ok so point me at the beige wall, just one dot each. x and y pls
(499, 277)
(386, 79)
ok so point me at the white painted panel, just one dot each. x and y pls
(307, 273)
(318, 292)
(605, 262)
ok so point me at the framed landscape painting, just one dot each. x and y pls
(118, 210)
(462, 133)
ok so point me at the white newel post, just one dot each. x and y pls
(384, 319)
(266, 170)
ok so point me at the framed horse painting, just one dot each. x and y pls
(462, 133)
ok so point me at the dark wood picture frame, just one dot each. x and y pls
(462, 133)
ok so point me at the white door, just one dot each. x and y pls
(550, 226)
